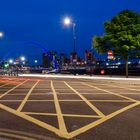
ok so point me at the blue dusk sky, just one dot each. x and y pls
(29, 26)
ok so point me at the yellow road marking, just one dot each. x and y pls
(43, 114)
(10, 100)
(74, 133)
(40, 100)
(127, 101)
(5, 84)
(81, 116)
(61, 121)
(92, 125)
(110, 84)
(15, 94)
(122, 96)
(15, 136)
(123, 87)
(12, 89)
(95, 101)
(35, 121)
(31, 135)
(111, 101)
(27, 96)
(77, 100)
(94, 108)
(60, 132)
(65, 115)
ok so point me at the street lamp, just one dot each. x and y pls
(11, 61)
(36, 61)
(1, 34)
(22, 58)
(67, 22)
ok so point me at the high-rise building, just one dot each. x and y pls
(46, 61)
(49, 60)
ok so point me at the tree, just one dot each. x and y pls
(122, 34)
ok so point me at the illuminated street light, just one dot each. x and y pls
(11, 61)
(23, 62)
(22, 58)
(36, 61)
(68, 21)
(1, 34)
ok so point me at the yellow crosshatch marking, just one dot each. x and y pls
(62, 130)
(26, 97)
(15, 136)
(12, 89)
(88, 103)
(61, 122)
(115, 101)
(122, 96)
(123, 87)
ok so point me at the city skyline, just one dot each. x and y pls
(42, 22)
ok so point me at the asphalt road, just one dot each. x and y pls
(76, 109)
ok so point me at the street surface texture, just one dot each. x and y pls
(76, 109)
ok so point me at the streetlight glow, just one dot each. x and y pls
(22, 58)
(11, 61)
(36, 61)
(67, 21)
(1, 34)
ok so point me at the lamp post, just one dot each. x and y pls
(68, 21)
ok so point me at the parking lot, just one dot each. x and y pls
(60, 108)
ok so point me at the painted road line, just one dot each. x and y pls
(96, 101)
(94, 108)
(14, 94)
(41, 114)
(15, 136)
(100, 121)
(61, 122)
(5, 84)
(122, 96)
(8, 82)
(22, 133)
(10, 100)
(65, 115)
(40, 100)
(132, 89)
(110, 84)
(33, 120)
(81, 116)
(12, 89)
(115, 101)
(27, 96)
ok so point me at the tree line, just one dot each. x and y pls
(122, 35)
